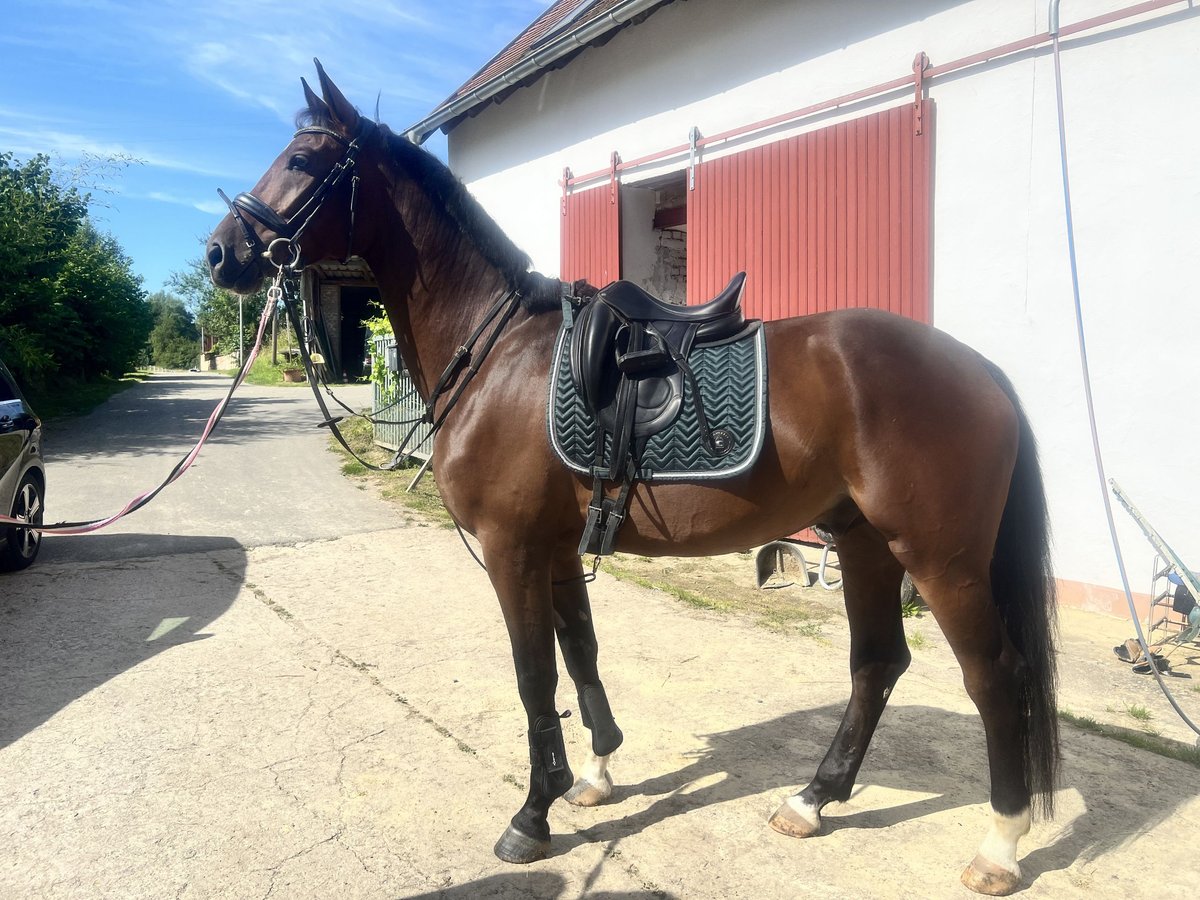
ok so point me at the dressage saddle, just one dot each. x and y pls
(628, 358)
(627, 338)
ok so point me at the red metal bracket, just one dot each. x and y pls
(920, 64)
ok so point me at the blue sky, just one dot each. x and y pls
(204, 92)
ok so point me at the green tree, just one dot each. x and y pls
(38, 221)
(105, 307)
(69, 302)
(175, 339)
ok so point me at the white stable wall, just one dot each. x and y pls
(1001, 279)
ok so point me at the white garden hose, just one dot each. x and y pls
(1087, 380)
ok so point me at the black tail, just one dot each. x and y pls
(1024, 590)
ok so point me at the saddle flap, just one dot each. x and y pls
(592, 339)
(602, 350)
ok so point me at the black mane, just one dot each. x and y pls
(539, 293)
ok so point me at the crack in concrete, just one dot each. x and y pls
(362, 668)
(275, 869)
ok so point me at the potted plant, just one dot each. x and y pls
(292, 367)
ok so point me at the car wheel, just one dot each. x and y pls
(19, 546)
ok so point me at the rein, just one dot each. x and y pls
(501, 314)
(289, 232)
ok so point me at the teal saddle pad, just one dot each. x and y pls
(732, 378)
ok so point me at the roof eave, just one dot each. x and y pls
(564, 44)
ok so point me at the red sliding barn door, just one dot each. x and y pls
(591, 234)
(830, 219)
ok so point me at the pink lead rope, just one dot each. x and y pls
(274, 294)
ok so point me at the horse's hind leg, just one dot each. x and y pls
(577, 640)
(878, 657)
(993, 673)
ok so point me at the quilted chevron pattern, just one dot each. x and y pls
(732, 381)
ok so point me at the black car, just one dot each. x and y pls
(22, 475)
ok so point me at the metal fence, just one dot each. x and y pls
(396, 400)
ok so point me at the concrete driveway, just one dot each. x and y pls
(272, 684)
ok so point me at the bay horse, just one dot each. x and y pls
(906, 445)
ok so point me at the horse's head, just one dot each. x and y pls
(301, 210)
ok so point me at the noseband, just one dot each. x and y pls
(289, 230)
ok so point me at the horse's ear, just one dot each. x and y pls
(316, 106)
(340, 109)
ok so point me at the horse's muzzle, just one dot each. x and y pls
(226, 270)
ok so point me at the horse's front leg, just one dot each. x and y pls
(577, 640)
(522, 585)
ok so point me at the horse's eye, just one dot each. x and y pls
(299, 161)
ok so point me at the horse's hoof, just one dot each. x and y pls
(517, 847)
(789, 820)
(585, 793)
(985, 877)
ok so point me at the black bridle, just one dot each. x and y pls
(468, 357)
(289, 230)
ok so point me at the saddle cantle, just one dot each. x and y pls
(637, 384)
(633, 302)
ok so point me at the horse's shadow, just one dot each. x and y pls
(919, 749)
(742, 762)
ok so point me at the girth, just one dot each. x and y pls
(628, 358)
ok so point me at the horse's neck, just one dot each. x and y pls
(435, 311)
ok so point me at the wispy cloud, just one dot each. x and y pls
(29, 115)
(212, 207)
(413, 51)
(72, 146)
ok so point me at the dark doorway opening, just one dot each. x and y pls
(356, 309)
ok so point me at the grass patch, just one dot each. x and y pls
(613, 566)
(721, 584)
(71, 397)
(1136, 711)
(1150, 742)
(916, 640)
(392, 486)
(791, 619)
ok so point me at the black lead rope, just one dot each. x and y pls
(373, 418)
(507, 305)
(330, 421)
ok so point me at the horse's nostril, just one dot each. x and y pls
(215, 255)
